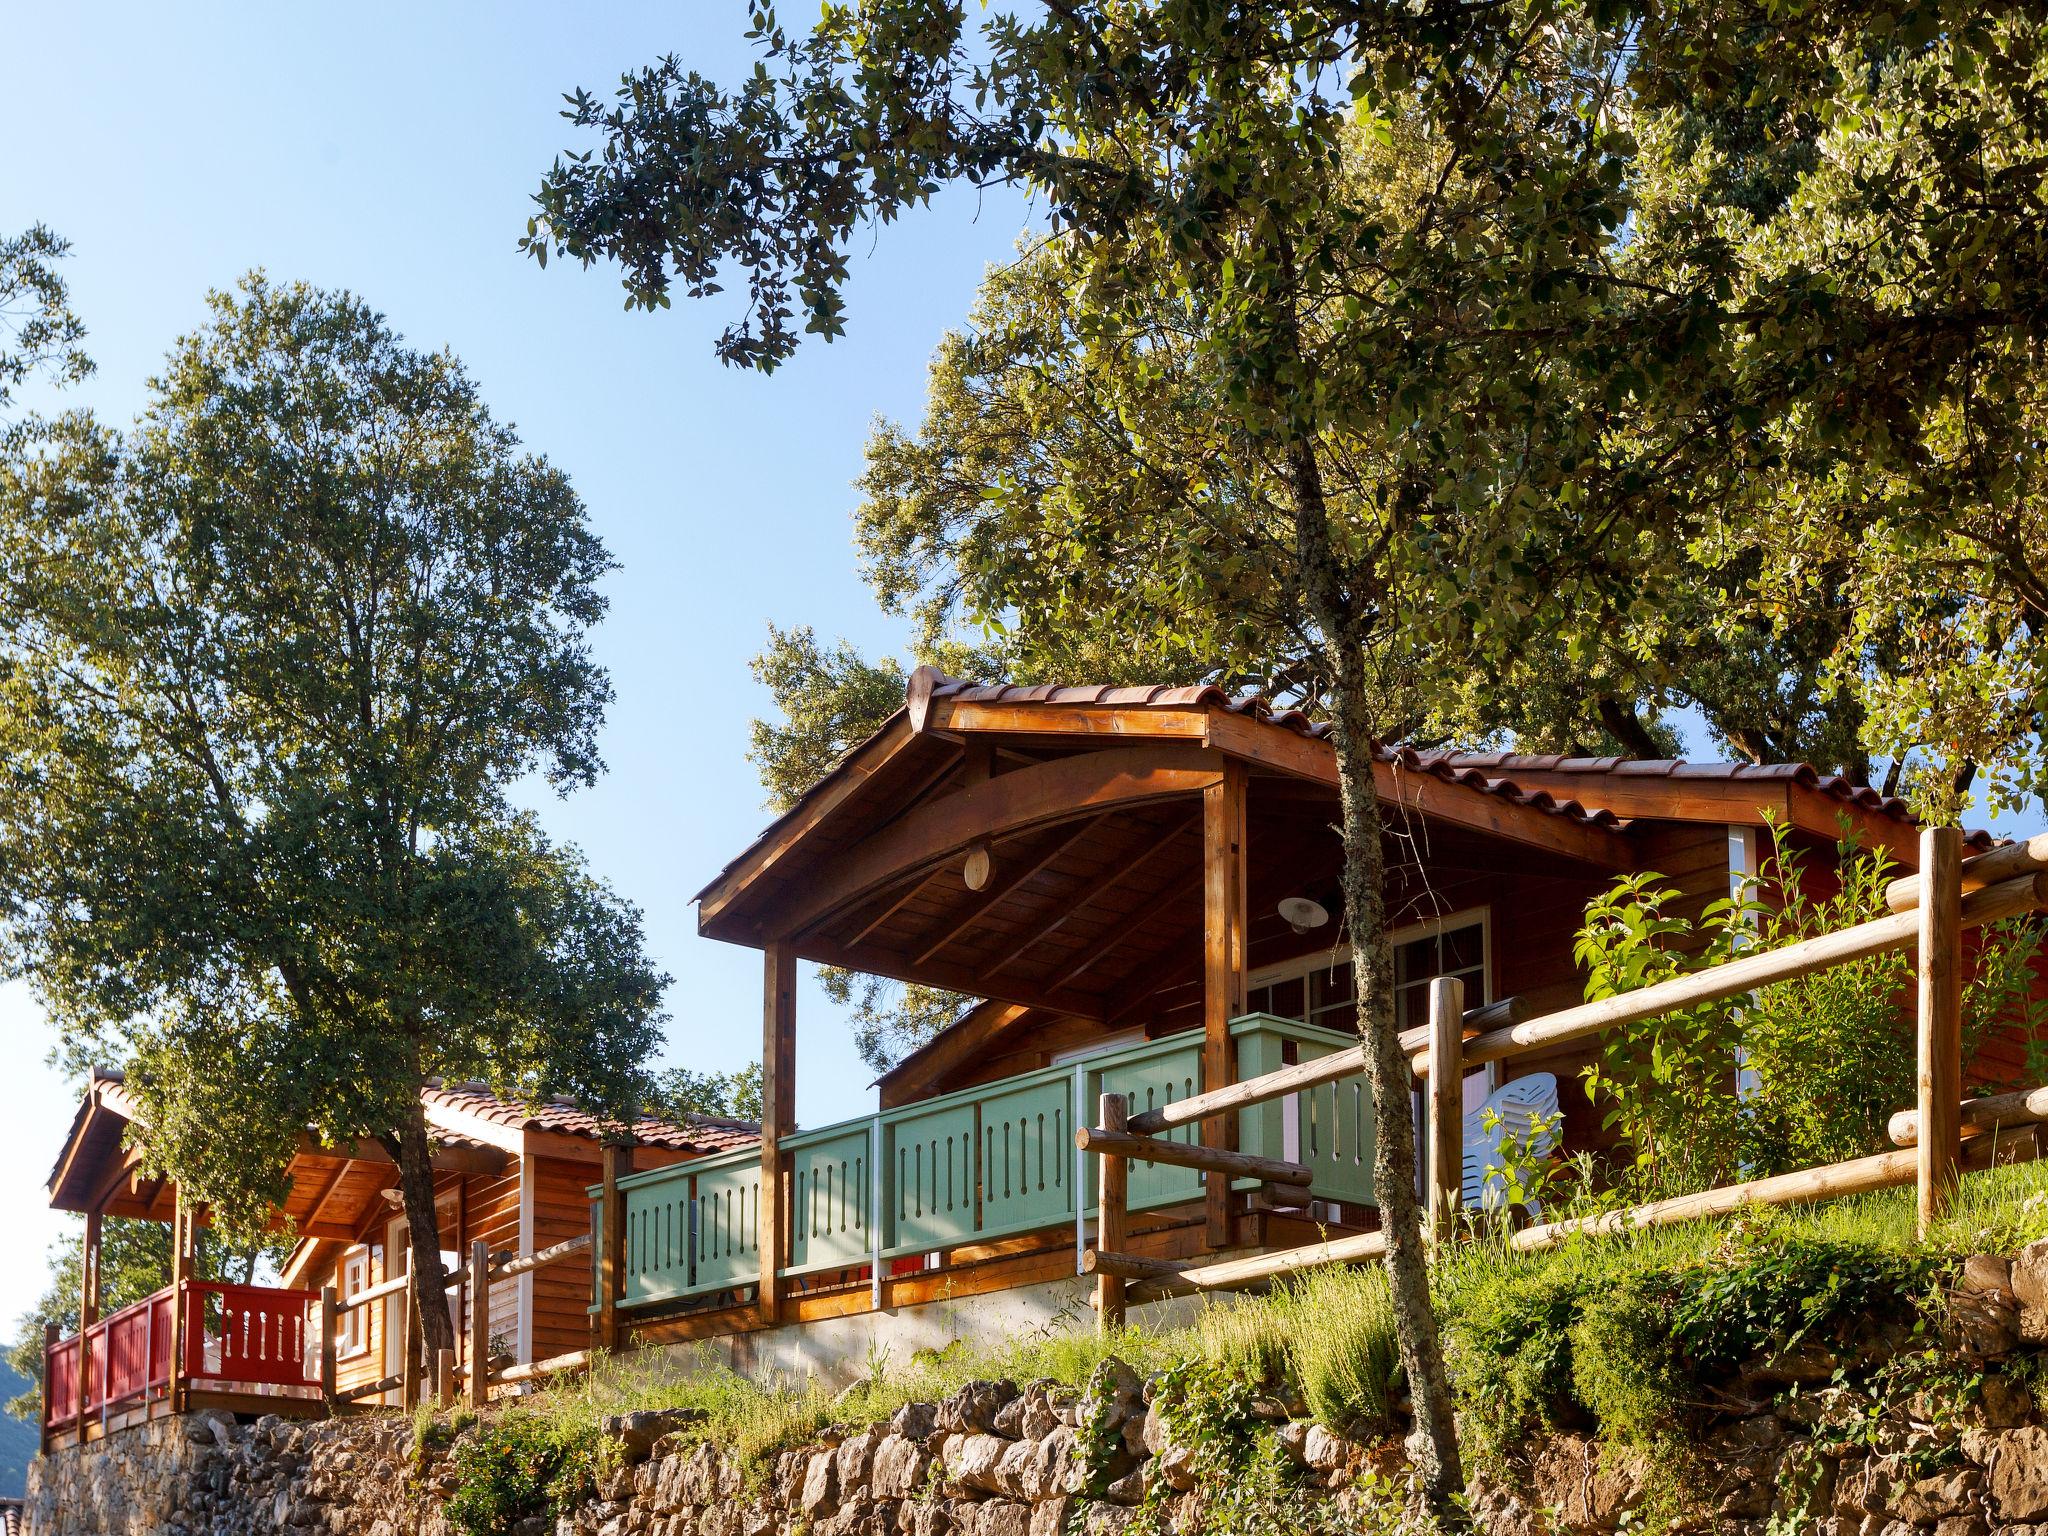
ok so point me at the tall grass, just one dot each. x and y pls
(1327, 1334)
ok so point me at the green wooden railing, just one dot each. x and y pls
(986, 1162)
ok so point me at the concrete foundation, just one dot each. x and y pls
(838, 1351)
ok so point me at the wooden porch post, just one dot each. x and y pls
(51, 1338)
(778, 1117)
(479, 1384)
(1941, 1019)
(1224, 923)
(88, 1308)
(181, 1305)
(611, 1258)
(1446, 1104)
(1112, 1196)
(330, 1324)
(408, 1344)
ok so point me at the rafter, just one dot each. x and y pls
(949, 929)
(1122, 877)
(1063, 789)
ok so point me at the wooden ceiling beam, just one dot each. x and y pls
(911, 892)
(318, 1209)
(949, 929)
(1108, 942)
(1048, 793)
(1072, 910)
(948, 977)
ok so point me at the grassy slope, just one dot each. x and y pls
(1331, 1333)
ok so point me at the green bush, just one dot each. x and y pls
(1509, 1346)
(517, 1466)
(1626, 1373)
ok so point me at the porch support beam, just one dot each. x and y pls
(1225, 921)
(778, 1117)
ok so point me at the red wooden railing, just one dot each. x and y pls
(248, 1333)
(245, 1334)
(127, 1357)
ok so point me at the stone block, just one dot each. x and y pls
(901, 1468)
(2015, 1465)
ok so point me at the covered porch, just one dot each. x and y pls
(195, 1343)
(1105, 869)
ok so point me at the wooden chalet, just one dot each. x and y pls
(512, 1175)
(1105, 868)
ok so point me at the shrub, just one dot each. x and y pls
(1826, 1058)
(1625, 1370)
(1349, 1357)
(1509, 1348)
(518, 1466)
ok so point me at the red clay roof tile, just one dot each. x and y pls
(702, 1134)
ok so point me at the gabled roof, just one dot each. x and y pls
(469, 1123)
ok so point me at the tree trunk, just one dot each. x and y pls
(416, 1184)
(1626, 726)
(1337, 613)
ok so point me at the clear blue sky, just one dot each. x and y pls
(392, 149)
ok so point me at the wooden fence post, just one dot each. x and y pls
(479, 1323)
(408, 1347)
(1940, 1019)
(330, 1324)
(1112, 1196)
(1446, 1104)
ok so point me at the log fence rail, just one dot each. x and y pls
(1929, 912)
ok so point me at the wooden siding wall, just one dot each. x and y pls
(561, 1292)
(488, 1207)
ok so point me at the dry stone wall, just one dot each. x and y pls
(1000, 1459)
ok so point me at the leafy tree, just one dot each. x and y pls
(135, 1261)
(275, 657)
(1513, 308)
(38, 331)
(679, 1093)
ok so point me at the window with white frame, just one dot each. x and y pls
(1317, 989)
(352, 1337)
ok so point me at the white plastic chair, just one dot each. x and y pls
(1520, 1104)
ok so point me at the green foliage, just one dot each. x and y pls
(1775, 1293)
(679, 1093)
(39, 334)
(1328, 1334)
(515, 1467)
(1826, 1058)
(274, 659)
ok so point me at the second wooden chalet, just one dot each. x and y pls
(514, 1176)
